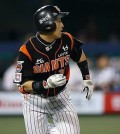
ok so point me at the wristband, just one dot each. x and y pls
(84, 69)
(37, 86)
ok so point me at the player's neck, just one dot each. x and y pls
(48, 38)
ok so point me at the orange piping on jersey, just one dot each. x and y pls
(58, 48)
(44, 55)
(55, 58)
(39, 51)
(71, 38)
(25, 51)
(68, 74)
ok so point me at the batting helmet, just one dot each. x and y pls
(44, 18)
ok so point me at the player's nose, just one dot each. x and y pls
(62, 25)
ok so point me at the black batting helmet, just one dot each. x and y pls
(44, 18)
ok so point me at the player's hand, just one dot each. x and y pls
(89, 87)
(54, 81)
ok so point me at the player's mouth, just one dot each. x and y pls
(61, 31)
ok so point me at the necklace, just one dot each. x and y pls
(47, 47)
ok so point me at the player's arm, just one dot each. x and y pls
(83, 65)
(53, 81)
(79, 57)
(88, 85)
(24, 71)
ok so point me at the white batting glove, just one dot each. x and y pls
(54, 81)
(89, 87)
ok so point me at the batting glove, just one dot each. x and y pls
(54, 81)
(89, 87)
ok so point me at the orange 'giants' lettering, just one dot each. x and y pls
(55, 64)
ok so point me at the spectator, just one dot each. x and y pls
(104, 74)
(8, 76)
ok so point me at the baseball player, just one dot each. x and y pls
(42, 73)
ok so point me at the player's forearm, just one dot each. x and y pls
(87, 82)
(53, 81)
(83, 65)
(28, 86)
(32, 86)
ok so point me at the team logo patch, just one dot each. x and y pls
(39, 61)
(87, 77)
(18, 77)
(44, 19)
(19, 66)
(65, 48)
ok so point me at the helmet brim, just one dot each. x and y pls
(62, 14)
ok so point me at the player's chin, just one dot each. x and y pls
(59, 35)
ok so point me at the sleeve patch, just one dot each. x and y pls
(17, 77)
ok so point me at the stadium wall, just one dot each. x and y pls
(101, 103)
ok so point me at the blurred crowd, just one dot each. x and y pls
(105, 73)
(92, 32)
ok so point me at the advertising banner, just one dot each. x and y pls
(10, 103)
(84, 106)
(112, 103)
(100, 103)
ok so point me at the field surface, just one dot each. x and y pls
(89, 125)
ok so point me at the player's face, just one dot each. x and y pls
(59, 27)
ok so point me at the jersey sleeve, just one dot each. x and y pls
(24, 67)
(76, 50)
